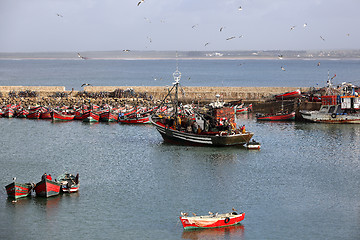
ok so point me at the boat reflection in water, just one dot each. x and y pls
(231, 232)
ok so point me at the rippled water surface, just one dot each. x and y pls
(302, 184)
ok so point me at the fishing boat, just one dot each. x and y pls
(22, 113)
(69, 183)
(90, 116)
(289, 95)
(211, 220)
(215, 127)
(9, 112)
(336, 108)
(17, 190)
(135, 120)
(281, 116)
(33, 114)
(47, 188)
(108, 116)
(58, 116)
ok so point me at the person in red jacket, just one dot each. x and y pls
(48, 177)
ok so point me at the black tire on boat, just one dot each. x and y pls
(333, 115)
(227, 220)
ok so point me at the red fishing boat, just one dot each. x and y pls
(9, 112)
(284, 116)
(289, 95)
(108, 116)
(211, 220)
(45, 113)
(90, 116)
(58, 116)
(69, 183)
(18, 190)
(34, 115)
(47, 188)
(22, 113)
(135, 120)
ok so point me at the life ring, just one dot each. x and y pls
(227, 220)
(333, 115)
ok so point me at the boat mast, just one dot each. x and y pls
(177, 76)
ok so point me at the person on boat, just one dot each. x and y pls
(44, 176)
(48, 177)
(242, 129)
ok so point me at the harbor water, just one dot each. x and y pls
(302, 184)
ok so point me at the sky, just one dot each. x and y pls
(181, 25)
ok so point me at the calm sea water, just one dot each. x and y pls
(302, 184)
(235, 73)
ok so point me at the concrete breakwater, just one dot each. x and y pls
(57, 95)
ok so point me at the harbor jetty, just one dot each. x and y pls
(260, 97)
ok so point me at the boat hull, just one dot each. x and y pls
(56, 116)
(177, 137)
(279, 117)
(211, 222)
(47, 188)
(143, 120)
(18, 190)
(289, 95)
(315, 116)
(91, 117)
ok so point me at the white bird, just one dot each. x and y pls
(322, 38)
(230, 38)
(194, 26)
(292, 28)
(59, 15)
(282, 68)
(81, 56)
(234, 210)
(210, 213)
(240, 8)
(280, 56)
(241, 36)
(126, 50)
(85, 84)
(184, 214)
(305, 24)
(14, 179)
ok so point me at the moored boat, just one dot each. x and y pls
(135, 120)
(289, 95)
(47, 188)
(58, 116)
(281, 116)
(17, 190)
(108, 116)
(211, 220)
(69, 183)
(90, 117)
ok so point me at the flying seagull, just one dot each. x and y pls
(282, 68)
(194, 214)
(79, 55)
(194, 26)
(221, 28)
(126, 50)
(210, 213)
(292, 28)
(230, 38)
(322, 38)
(14, 179)
(280, 56)
(207, 44)
(184, 214)
(86, 84)
(59, 15)
(305, 25)
(240, 8)
(140, 2)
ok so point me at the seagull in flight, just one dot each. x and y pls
(140, 2)
(305, 25)
(280, 56)
(126, 50)
(292, 28)
(240, 8)
(86, 84)
(230, 38)
(322, 38)
(282, 68)
(221, 28)
(194, 26)
(150, 39)
(79, 55)
(194, 214)
(59, 15)
(207, 44)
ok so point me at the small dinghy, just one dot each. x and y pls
(211, 220)
(69, 183)
(253, 145)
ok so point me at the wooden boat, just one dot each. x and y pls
(34, 115)
(282, 116)
(22, 113)
(17, 190)
(214, 131)
(211, 220)
(47, 188)
(46, 114)
(9, 112)
(135, 120)
(90, 116)
(69, 183)
(253, 145)
(108, 116)
(289, 95)
(58, 116)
